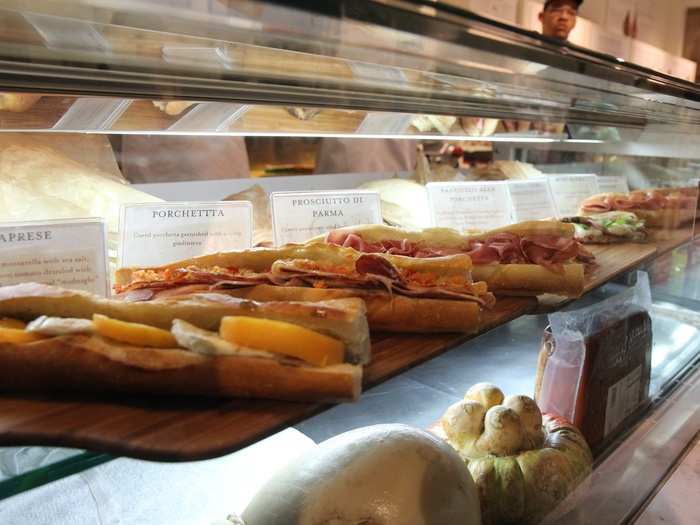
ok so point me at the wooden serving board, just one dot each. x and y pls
(612, 260)
(186, 429)
(669, 240)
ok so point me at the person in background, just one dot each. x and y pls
(558, 18)
(365, 155)
(174, 158)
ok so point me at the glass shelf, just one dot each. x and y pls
(54, 464)
(353, 61)
(374, 56)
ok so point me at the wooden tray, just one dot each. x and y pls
(612, 260)
(170, 429)
(667, 241)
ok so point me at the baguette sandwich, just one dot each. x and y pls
(609, 227)
(659, 208)
(205, 344)
(523, 259)
(401, 293)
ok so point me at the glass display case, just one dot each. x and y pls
(106, 104)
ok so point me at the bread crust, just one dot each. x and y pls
(394, 313)
(85, 363)
(669, 218)
(504, 279)
(261, 259)
(666, 218)
(449, 238)
(522, 229)
(343, 319)
(531, 279)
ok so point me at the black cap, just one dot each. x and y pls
(548, 2)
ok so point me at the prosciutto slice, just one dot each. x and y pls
(376, 265)
(550, 251)
(371, 271)
(640, 200)
(393, 247)
(596, 205)
(368, 271)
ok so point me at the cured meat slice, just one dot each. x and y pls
(371, 264)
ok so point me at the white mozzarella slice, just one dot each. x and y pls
(205, 342)
(55, 326)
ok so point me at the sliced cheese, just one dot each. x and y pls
(133, 333)
(55, 326)
(18, 336)
(6, 322)
(283, 338)
(204, 342)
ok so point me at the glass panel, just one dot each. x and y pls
(25, 468)
(197, 100)
(431, 61)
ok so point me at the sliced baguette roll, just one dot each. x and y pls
(503, 279)
(343, 319)
(526, 228)
(437, 237)
(531, 279)
(261, 259)
(393, 313)
(669, 218)
(84, 363)
(449, 238)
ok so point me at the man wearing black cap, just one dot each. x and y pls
(559, 17)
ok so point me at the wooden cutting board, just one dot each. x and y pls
(174, 429)
(669, 240)
(612, 260)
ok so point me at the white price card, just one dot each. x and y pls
(298, 216)
(531, 199)
(613, 184)
(469, 205)
(66, 253)
(161, 233)
(570, 190)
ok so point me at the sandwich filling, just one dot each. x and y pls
(368, 271)
(550, 251)
(238, 336)
(641, 200)
(609, 227)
